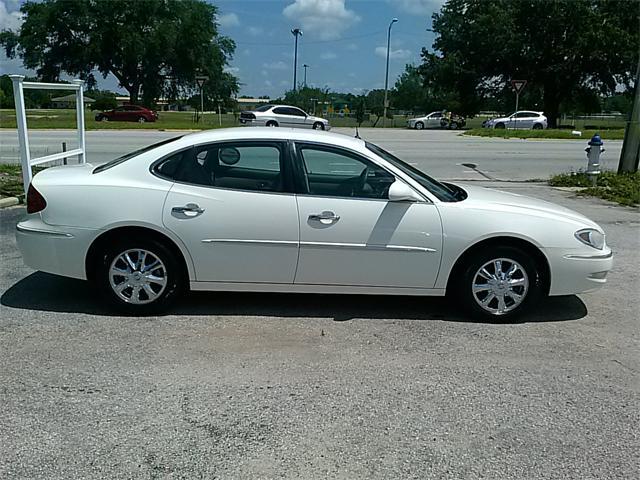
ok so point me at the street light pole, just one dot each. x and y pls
(305, 74)
(296, 32)
(386, 75)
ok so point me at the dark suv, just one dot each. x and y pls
(128, 113)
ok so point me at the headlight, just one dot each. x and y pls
(591, 237)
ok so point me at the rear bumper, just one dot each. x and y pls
(578, 272)
(54, 249)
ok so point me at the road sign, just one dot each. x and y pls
(201, 79)
(518, 85)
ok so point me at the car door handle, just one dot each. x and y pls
(325, 217)
(190, 210)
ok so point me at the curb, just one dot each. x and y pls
(11, 201)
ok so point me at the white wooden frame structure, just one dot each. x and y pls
(23, 135)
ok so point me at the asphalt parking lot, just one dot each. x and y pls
(238, 386)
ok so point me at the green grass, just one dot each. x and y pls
(621, 188)
(11, 180)
(616, 134)
(58, 118)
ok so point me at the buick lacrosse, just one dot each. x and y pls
(284, 210)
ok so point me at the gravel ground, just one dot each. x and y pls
(239, 386)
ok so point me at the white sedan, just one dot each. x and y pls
(519, 120)
(432, 120)
(285, 210)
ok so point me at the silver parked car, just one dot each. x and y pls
(523, 119)
(282, 116)
(433, 120)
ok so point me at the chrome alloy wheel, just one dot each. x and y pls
(137, 276)
(500, 286)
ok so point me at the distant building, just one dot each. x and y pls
(69, 101)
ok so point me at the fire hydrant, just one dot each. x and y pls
(594, 150)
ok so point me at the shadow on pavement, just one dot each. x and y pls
(45, 292)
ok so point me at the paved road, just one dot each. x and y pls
(240, 386)
(438, 153)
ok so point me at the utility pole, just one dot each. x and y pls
(296, 32)
(305, 74)
(386, 75)
(630, 154)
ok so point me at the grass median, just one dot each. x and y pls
(613, 134)
(621, 188)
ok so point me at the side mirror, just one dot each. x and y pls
(401, 192)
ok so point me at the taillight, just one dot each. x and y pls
(35, 201)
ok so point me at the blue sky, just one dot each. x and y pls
(343, 42)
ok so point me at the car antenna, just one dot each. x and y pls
(357, 134)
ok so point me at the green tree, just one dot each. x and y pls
(409, 92)
(563, 48)
(104, 100)
(153, 47)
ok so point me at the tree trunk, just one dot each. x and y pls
(134, 92)
(551, 104)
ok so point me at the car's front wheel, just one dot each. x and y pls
(499, 126)
(499, 284)
(318, 126)
(139, 277)
(104, 118)
(419, 126)
(537, 126)
(141, 120)
(271, 123)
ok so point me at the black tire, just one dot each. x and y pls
(419, 126)
(102, 118)
(527, 273)
(141, 120)
(453, 126)
(499, 126)
(170, 270)
(318, 126)
(271, 123)
(537, 126)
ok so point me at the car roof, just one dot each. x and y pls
(270, 133)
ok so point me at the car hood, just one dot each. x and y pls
(498, 200)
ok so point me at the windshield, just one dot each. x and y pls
(263, 108)
(124, 158)
(441, 191)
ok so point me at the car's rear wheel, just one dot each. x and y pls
(419, 126)
(318, 126)
(141, 120)
(104, 118)
(453, 126)
(499, 284)
(139, 277)
(537, 126)
(499, 126)
(271, 123)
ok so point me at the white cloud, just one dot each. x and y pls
(325, 19)
(229, 20)
(279, 65)
(232, 70)
(10, 17)
(328, 56)
(255, 31)
(418, 7)
(352, 47)
(399, 54)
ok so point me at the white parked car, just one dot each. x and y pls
(519, 120)
(283, 210)
(282, 116)
(433, 120)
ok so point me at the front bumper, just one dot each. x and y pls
(54, 249)
(578, 271)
